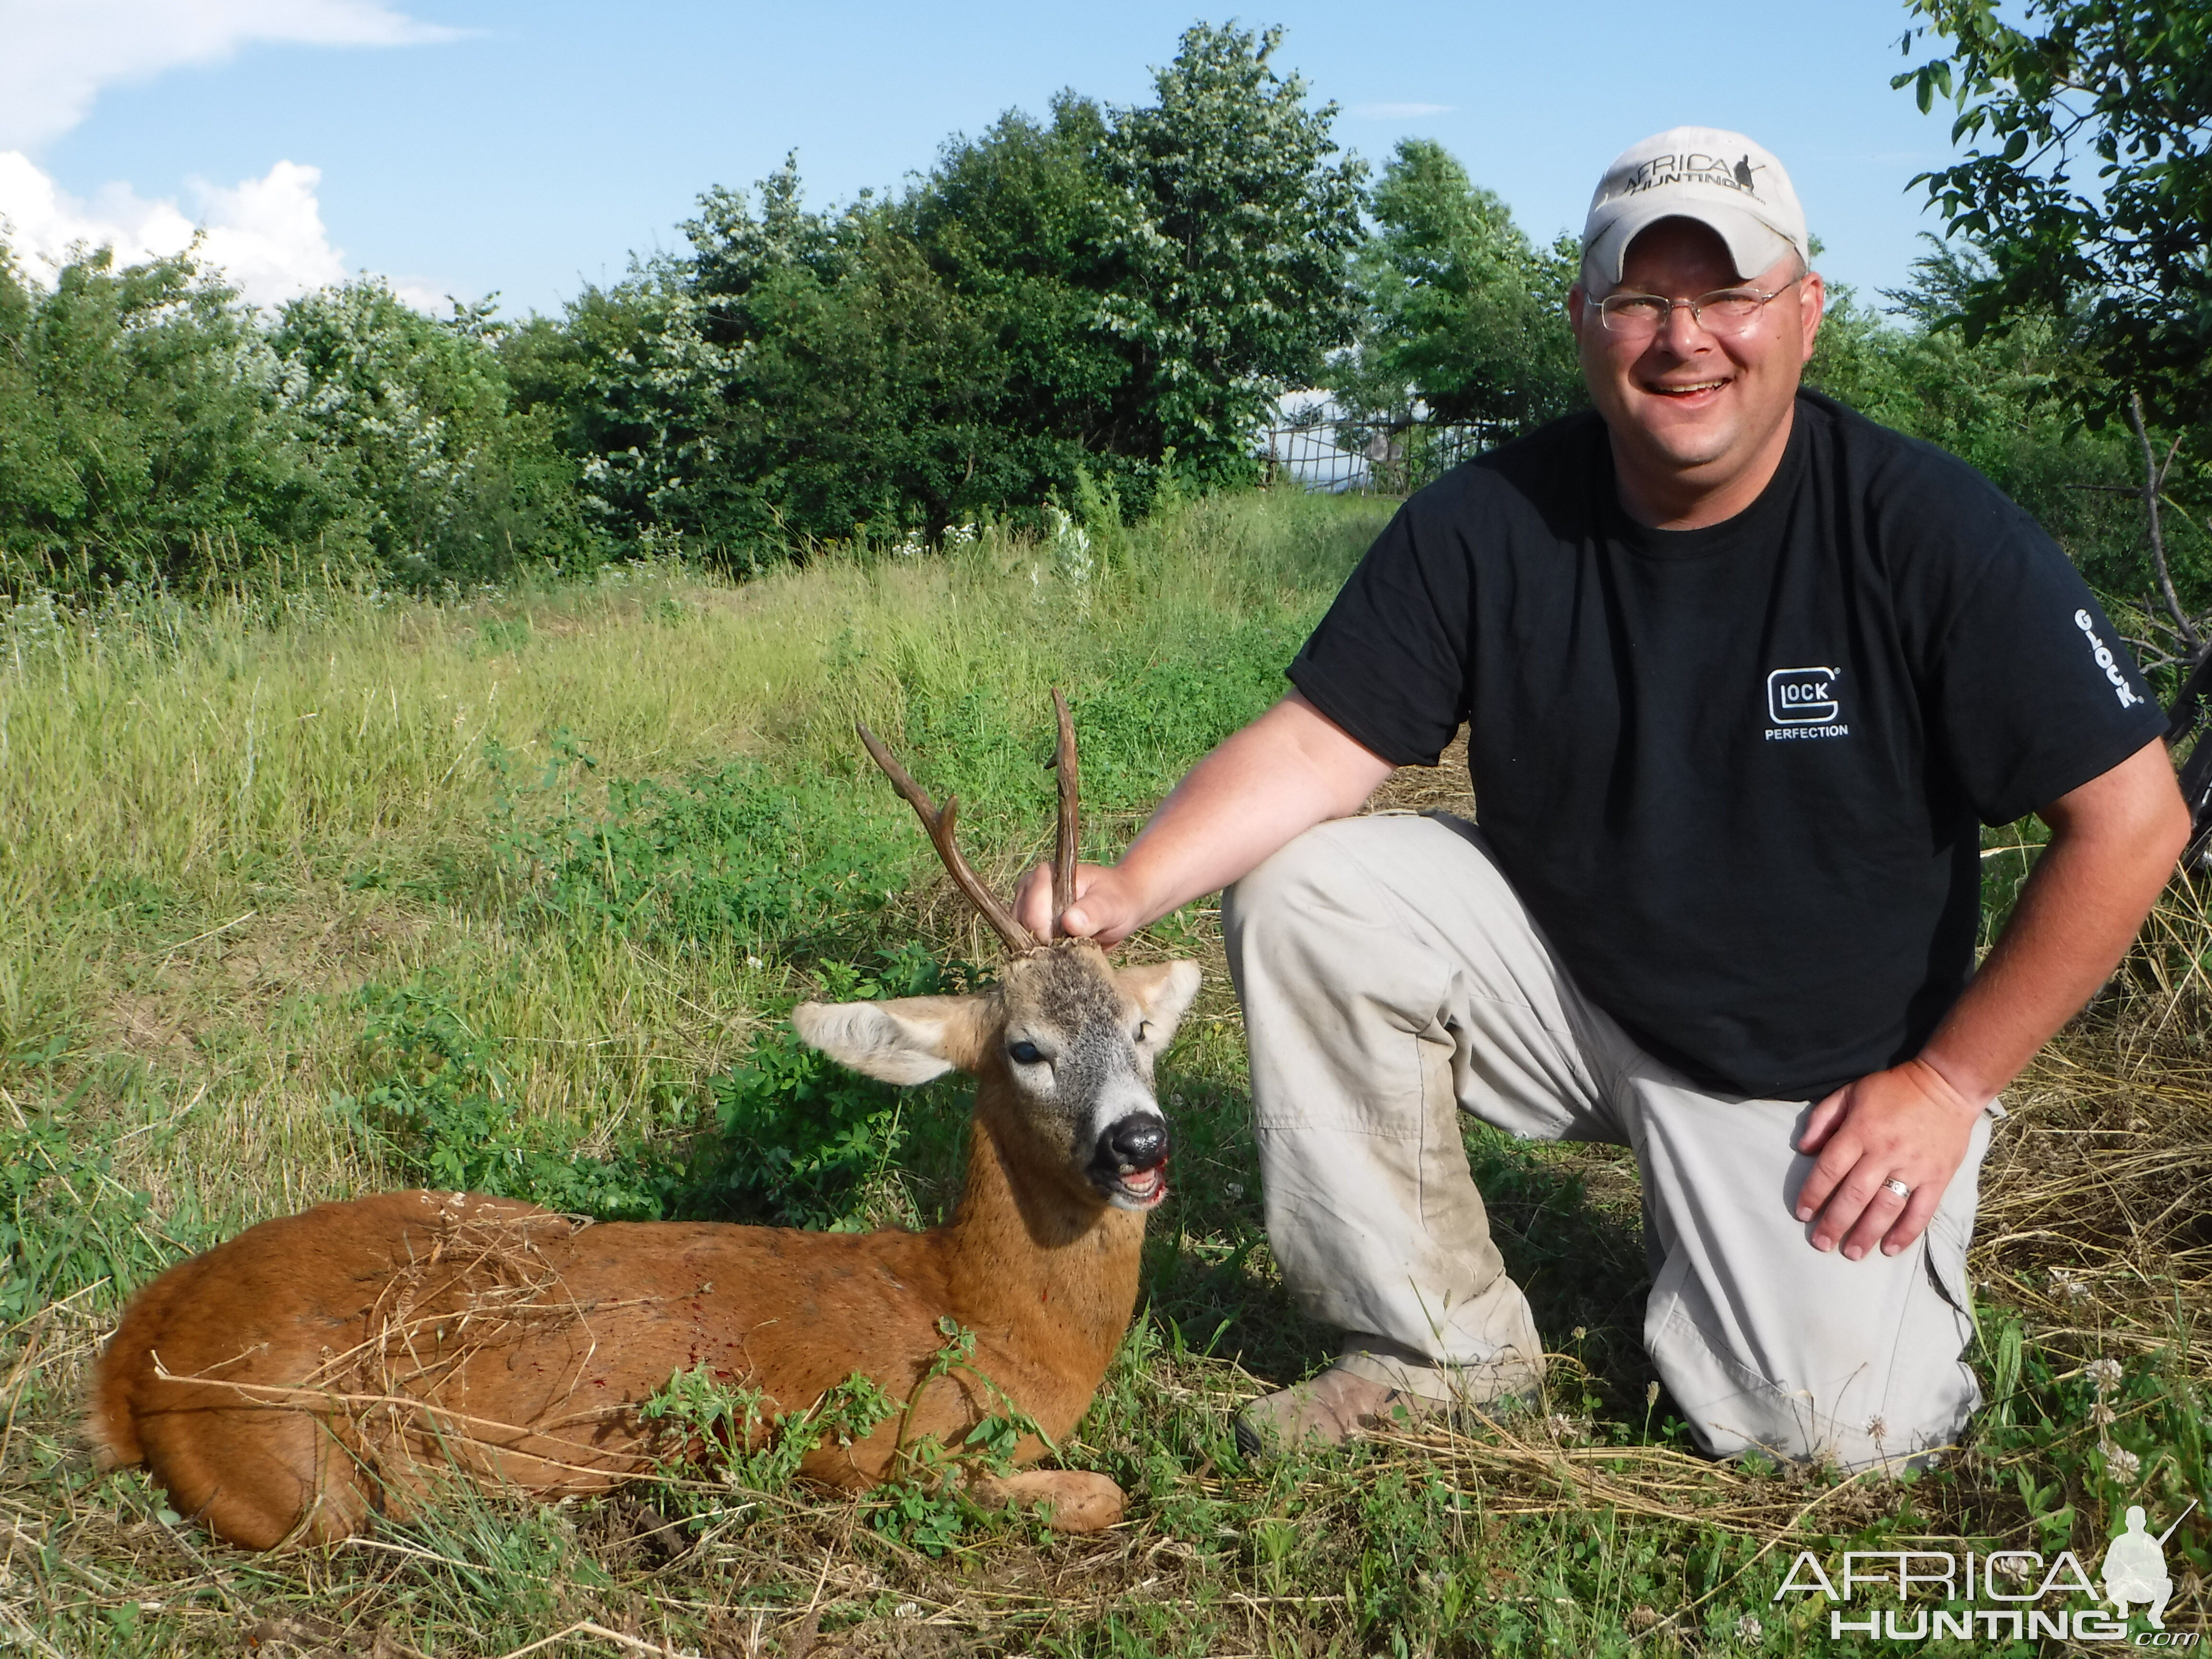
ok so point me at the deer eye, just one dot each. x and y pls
(1144, 1033)
(1024, 1054)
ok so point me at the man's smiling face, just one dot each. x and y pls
(1697, 414)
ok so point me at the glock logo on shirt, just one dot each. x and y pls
(1802, 696)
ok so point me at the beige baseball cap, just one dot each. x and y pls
(1719, 178)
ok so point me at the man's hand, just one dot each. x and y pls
(1105, 909)
(1906, 1124)
(1279, 776)
(2113, 842)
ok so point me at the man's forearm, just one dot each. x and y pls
(1289, 770)
(1888, 1143)
(2112, 848)
(1259, 790)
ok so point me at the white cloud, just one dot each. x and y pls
(61, 53)
(1400, 112)
(266, 233)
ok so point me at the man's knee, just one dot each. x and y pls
(1359, 872)
(1843, 1420)
(1285, 883)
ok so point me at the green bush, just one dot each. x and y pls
(803, 1142)
(1121, 292)
(150, 434)
(159, 433)
(411, 416)
(439, 1110)
(733, 858)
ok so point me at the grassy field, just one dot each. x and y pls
(306, 891)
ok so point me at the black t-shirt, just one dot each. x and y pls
(1736, 773)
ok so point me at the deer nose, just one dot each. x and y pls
(1138, 1142)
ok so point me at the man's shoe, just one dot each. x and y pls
(1330, 1409)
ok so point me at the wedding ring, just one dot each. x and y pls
(1898, 1187)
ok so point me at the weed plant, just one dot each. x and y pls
(311, 890)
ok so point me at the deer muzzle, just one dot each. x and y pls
(1130, 1166)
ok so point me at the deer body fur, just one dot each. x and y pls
(318, 1368)
(287, 1383)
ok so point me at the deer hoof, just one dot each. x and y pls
(1073, 1500)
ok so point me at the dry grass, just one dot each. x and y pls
(180, 941)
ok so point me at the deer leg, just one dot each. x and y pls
(1073, 1500)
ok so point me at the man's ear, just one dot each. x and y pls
(1163, 990)
(907, 1039)
(1814, 306)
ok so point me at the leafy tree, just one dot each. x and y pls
(796, 374)
(1016, 222)
(146, 432)
(1462, 311)
(631, 386)
(1225, 254)
(1094, 303)
(2088, 184)
(864, 390)
(411, 415)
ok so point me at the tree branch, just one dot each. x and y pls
(2154, 478)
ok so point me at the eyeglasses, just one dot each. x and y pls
(1727, 311)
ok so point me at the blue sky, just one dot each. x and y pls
(464, 146)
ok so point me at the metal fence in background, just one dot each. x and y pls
(1385, 458)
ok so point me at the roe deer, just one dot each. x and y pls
(289, 1382)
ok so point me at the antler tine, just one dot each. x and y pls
(1063, 761)
(1017, 938)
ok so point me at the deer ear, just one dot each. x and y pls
(907, 1039)
(1164, 991)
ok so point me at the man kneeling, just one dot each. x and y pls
(1744, 672)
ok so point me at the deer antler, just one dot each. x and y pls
(1017, 938)
(1063, 761)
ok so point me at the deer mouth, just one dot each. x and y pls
(1141, 1189)
(1129, 1166)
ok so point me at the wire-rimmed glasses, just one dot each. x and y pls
(1730, 311)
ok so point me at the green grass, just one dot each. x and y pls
(318, 892)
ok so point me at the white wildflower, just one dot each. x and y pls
(2104, 1374)
(1071, 548)
(1750, 1629)
(2121, 1463)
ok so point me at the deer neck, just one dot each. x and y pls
(1029, 1255)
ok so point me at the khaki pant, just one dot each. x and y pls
(1390, 981)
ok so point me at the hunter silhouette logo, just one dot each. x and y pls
(2134, 1567)
(1689, 166)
